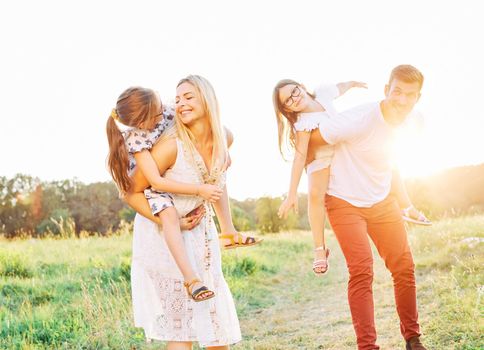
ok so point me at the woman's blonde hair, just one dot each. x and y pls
(211, 108)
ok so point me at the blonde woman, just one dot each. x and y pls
(197, 153)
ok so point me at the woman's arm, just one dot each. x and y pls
(222, 207)
(138, 202)
(229, 136)
(302, 143)
(230, 140)
(224, 216)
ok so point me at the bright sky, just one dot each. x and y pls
(63, 65)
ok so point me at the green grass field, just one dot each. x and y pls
(75, 293)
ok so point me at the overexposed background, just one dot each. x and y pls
(63, 65)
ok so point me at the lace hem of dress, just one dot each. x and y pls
(180, 319)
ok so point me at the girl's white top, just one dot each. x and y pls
(325, 95)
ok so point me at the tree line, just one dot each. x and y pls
(34, 208)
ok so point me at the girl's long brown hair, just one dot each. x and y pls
(285, 118)
(134, 106)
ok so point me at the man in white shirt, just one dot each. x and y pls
(359, 205)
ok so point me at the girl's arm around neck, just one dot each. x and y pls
(151, 165)
(149, 168)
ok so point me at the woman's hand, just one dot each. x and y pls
(345, 86)
(210, 192)
(289, 203)
(192, 219)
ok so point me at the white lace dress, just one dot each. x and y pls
(160, 303)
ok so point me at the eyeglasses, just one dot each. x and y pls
(294, 93)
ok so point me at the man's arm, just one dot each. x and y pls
(399, 190)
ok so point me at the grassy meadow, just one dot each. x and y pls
(75, 293)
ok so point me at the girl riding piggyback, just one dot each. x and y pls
(134, 126)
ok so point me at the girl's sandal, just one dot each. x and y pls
(196, 295)
(418, 219)
(320, 266)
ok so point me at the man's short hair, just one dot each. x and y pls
(406, 73)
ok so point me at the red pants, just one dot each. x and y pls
(383, 223)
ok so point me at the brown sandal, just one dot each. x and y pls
(240, 242)
(195, 294)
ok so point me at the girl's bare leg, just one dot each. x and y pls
(177, 345)
(317, 186)
(174, 241)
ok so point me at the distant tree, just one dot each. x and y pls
(31, 207)
(58, 195)
(451, 192)
(266, 215)
(16, 216)
(58, 223)
(241, 219)
(37, 203)
(95, 207)
(127, 214)
(302, 217)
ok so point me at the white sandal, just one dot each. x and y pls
(321, 264)
(420, 220)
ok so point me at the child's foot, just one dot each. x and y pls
(198, 291)
(237, 240)
(411, 214)
(320, 263)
